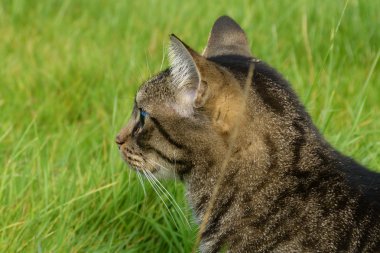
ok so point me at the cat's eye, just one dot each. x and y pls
(143, 115)
(141, 122)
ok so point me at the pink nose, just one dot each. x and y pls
(122, 136)
(119, 140)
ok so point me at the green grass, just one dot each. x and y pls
(68, 74)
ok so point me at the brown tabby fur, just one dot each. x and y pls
(285, 190)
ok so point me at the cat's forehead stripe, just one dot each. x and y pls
(154, 89)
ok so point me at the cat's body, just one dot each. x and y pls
(285, 188)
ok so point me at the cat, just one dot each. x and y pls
(285, 189)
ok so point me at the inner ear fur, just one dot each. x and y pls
(204, 84)
(186, 71)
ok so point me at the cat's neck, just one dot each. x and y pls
(259, 160)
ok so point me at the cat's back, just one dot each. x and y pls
(366, 181)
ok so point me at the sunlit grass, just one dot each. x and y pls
(68, 74)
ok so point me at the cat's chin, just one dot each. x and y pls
(156, 172)
(141, 169)
(165, 174)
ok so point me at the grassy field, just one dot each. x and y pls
(68, 74)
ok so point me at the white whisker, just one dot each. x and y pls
(168, 194)
(141, 182)
(157, 190)
(159, 165)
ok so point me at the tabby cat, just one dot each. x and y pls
(285, 189)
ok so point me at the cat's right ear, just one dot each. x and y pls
(191, 91)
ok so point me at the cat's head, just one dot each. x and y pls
(184, 115)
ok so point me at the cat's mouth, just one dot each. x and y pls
(136, 161)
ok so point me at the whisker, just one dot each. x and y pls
(168, 194)
(171, 198)
(141, 182)
(156, 189)
(159, 165)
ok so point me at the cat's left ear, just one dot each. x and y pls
(186, 64)
(227, 38)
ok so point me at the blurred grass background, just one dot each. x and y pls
(68, 74)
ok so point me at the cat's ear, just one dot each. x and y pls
(227, 38)
(191, 91)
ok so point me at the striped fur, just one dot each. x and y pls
(285, 190)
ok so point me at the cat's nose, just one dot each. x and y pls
(119, 140)
(122, 136)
